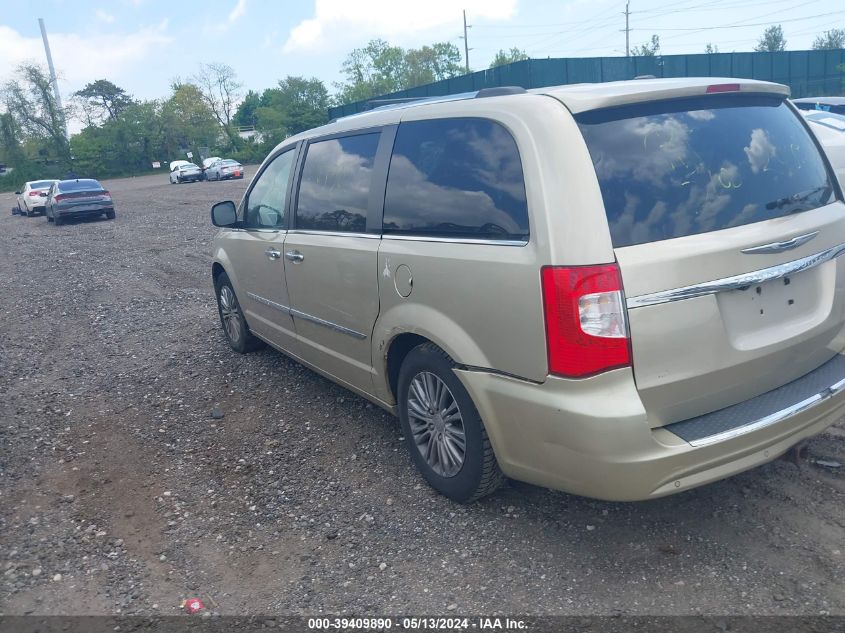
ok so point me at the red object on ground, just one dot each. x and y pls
(193, 605)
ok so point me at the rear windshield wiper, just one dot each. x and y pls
(798, 198)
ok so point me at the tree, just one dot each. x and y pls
(220, 90)
(30, 100)
(771, 41)
(104, 98)
(304, 102)
(245, 114)
(372, 71)
(431, 63)
(188, 122)
(649, 49)
(834, 38)
(504, 57)
(710, 49)
(379, 69)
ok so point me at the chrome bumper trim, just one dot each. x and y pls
(774, 418)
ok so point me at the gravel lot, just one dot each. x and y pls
(121, 493)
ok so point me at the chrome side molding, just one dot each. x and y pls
(736, 282)
(308, 317)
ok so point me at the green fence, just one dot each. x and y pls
(807, 73)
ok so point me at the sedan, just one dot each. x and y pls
(224, 169)
(185, 173)
(32, 198)
(81, 198)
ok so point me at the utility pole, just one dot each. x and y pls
(52, 70)
(466, 42)
(627, 32)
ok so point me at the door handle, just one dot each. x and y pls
(272, 253)
(294, 256)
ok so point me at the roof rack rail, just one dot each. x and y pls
(499, 91)
(377, 103)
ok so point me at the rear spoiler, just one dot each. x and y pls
(583, 97)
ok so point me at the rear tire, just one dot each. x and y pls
(57, 220)
(110, 215)
(427, 378)
(232, 318)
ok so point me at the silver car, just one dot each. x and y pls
(224, 169)
(31, 199)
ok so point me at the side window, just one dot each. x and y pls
(334, 191)
(459, 178)
(265, 206)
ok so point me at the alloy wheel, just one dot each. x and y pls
(436, 424)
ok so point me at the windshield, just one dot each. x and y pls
(79, 185)
(674, 168)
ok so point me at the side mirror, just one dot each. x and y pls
(17, 193)
(224, 214)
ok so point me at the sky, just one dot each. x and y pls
(142, 45)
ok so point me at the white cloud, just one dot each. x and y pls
(388, 19)
(103, 16)
(80, 59)
(238, 11)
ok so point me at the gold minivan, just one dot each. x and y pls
(620, 290)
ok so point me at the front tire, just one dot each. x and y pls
(443, 430)
(232, 318)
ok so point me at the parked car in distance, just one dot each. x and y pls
(829, 128)
(188, 172)
(622, 290)
(206, 163)
(224, 169)
(80, 198)
(828, 104)
(31, 199)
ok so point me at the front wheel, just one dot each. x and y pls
(232, 318)
(443, 430)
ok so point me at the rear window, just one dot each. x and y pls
(79, 185)
(675, 168)
(41, 184)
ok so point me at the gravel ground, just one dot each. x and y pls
(120, 492)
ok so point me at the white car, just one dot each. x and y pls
(829, 128)
(184, 172)
(30, 198)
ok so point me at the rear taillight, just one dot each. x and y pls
(586, 330)
(60, 197)
(106, 194)
(34, 193)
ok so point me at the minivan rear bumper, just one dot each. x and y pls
(592, 437)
